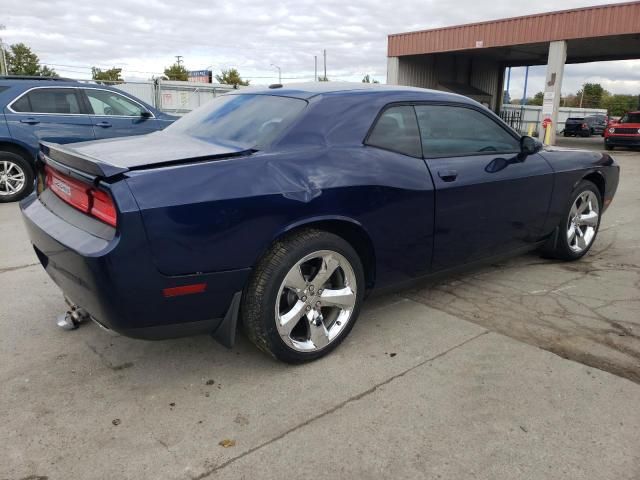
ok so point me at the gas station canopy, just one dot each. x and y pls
(607, 32)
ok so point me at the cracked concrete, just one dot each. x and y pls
(427, 387)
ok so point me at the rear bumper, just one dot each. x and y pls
(117, 282)
(623, 141)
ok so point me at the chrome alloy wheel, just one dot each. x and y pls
(315, 301)
(583, 221)
(12, 178)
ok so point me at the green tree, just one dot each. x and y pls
(591, 95)
(231, 77)
(112, 75)
(618, 104)
(22, 61)
(536, 100)
(368, 79)
(176, 72)
(323, 79)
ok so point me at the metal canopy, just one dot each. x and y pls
(607, 32)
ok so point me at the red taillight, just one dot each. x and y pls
(72, 191)
(184, 290)
(82, 196)
(102, 207)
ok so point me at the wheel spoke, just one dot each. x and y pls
(590, 219)
(581, 241)
(343, 298)
(289, 320)
(318, 334)
(329, 265)
(294, 280)
(571, 235)
(585, 203)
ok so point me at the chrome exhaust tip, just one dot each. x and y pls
(72, 318)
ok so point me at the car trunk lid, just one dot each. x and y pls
(111, 157)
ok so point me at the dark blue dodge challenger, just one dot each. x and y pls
(280, 208)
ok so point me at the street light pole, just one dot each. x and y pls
(279, 73)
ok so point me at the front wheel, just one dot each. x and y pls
(578, 229)
(304, 296)
(16, 177)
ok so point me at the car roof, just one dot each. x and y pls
(27, 82)
(312, 89)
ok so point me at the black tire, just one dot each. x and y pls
(609, 147)
(26, 168)
(560, 248)
(566, 134)
(258, 304)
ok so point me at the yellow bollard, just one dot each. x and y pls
(530, 130)
(547, 134)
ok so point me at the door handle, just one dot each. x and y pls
(448, 175)
(30, 121)
(103, 124)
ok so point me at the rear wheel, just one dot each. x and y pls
(16, 177)
(579, 228)
(304, 296)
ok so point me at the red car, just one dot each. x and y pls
(624, 133)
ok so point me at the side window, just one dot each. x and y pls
(397, 130)
(48, 100)
(104, 102)
(450, 131)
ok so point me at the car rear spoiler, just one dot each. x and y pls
(78, 161)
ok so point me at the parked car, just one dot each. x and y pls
(624, 133)
(57, 110)
(585, 126)
(281, 208)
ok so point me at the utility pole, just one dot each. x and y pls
(325, 64)
(315, 68)
(3, 59)
(179, 59)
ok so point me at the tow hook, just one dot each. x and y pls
(72, 318)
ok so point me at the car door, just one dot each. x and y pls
(490, 198)
(405, 217)
(116, 115)
(52, 114)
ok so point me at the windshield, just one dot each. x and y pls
(253, 120)
(631, 118)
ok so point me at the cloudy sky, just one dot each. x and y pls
(143, 36)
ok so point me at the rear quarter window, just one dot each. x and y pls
(397, 130)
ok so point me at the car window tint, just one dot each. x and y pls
(449, 131)
(48, 100)
(250, 119)
(397, 130)
(104, 102)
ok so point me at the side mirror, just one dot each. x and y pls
(529, 145)
(145, 114)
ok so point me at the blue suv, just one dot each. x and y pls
(38, 109)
